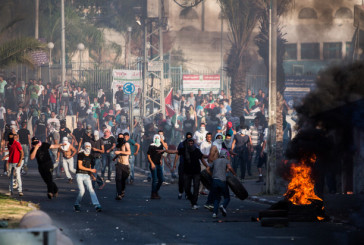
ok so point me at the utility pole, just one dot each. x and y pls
(63, 45)
(272, 155)
(36, 33)
(162, 100)
(153, 26)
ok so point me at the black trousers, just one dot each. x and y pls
(188, 179)
(122, 173)
(46, 174)
(181, 183)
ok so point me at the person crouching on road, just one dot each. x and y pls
(155, 160)
(122, 166)
(84, 162)
(219, 186)
(40, 151)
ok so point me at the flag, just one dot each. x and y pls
(168, 102)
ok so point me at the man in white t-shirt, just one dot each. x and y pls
(2, 116)
(2, 88)
(200, 135)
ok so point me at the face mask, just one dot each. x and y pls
(121, 141)
(11, 141)
(219, 141)
(203, 129)
(157, 142)
(88, 150)
(228, 141)
(191, 148)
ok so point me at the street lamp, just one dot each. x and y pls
(80, 48)
(50, 45)
(129, 40)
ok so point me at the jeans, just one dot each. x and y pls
(131, 163)
(70, 108)
(122, 172)
(53, 106)
(97, 166)
(106, 162)
(188, 179)
(68, 166)
(45, 171)
(12, 168)
(82, 181)
(56, 165)
(220, 188)
(157, 178)
(26, 153)
(241, 161)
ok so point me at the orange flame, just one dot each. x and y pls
(300, 190)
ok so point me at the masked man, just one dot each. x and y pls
(40, 151)
(68, 152)
(155, 161)
(200, 135)
(122, 166)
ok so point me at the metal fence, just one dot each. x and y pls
(95, 76)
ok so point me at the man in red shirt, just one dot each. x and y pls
(16, 155)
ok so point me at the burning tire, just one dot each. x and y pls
(236, 187)
(206, 179)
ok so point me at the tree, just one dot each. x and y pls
(262, 41)
(18, 51)
(15, 50)
(242, 17)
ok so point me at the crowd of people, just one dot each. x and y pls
(201, 134)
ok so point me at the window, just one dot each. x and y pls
(344, 13)
(332, 51)
(291, 51)
(298, 70)
(307, 13)
(310, 51)
(349, 47)
(188, 13)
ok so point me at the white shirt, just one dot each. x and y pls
(41, 88)
(205, 147)
(199, 137)
(2, 112)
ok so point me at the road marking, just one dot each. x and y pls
(280, 237)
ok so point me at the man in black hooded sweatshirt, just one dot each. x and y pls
(191, 168)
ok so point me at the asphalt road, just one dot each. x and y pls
(139, 220)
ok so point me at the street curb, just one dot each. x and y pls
(261, 200)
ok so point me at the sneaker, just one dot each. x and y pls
(102, 186)
(98, 208)
(21, 194)
(209, 207)
(23, 172)
(260, 179)
(194, 207)
(214, 215)
(179, 196)
(77, 208)
(118, 197)
(155, 196)
(107, 181)
(50, 195)
(6, 173)
(223, 210)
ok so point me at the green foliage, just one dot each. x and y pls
(18, 51)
